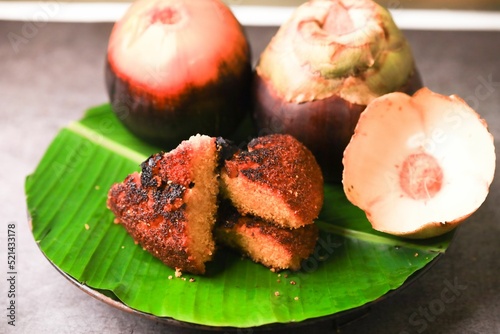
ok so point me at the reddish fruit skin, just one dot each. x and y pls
(176, 68)
(215, 109)
(325, 126)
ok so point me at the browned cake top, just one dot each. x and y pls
(141, 211)
(284, 165)
(173, 167)
(151, 205)
(131, 201)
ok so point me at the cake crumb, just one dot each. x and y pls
(416, 254)
(293, 282)
(192, 280)
(296, 298)
(276, 293)
(178, 272)
(170, 277)
(87, 227)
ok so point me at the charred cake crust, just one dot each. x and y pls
(142, 212)
(286, 168)
(151, 205)
(165, 211)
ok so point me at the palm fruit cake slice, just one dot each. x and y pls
(277, 179)
(170, 207)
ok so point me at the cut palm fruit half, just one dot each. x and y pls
(419, 165)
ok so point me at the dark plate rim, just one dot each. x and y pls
(339, 318)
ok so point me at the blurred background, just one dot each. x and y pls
(420, 4)
(413, 4)
(52, 72)
(409, 14)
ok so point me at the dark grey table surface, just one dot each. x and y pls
(53, 72)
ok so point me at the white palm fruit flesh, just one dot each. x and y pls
(418, 165)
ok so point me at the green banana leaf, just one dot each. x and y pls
(66, 196)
